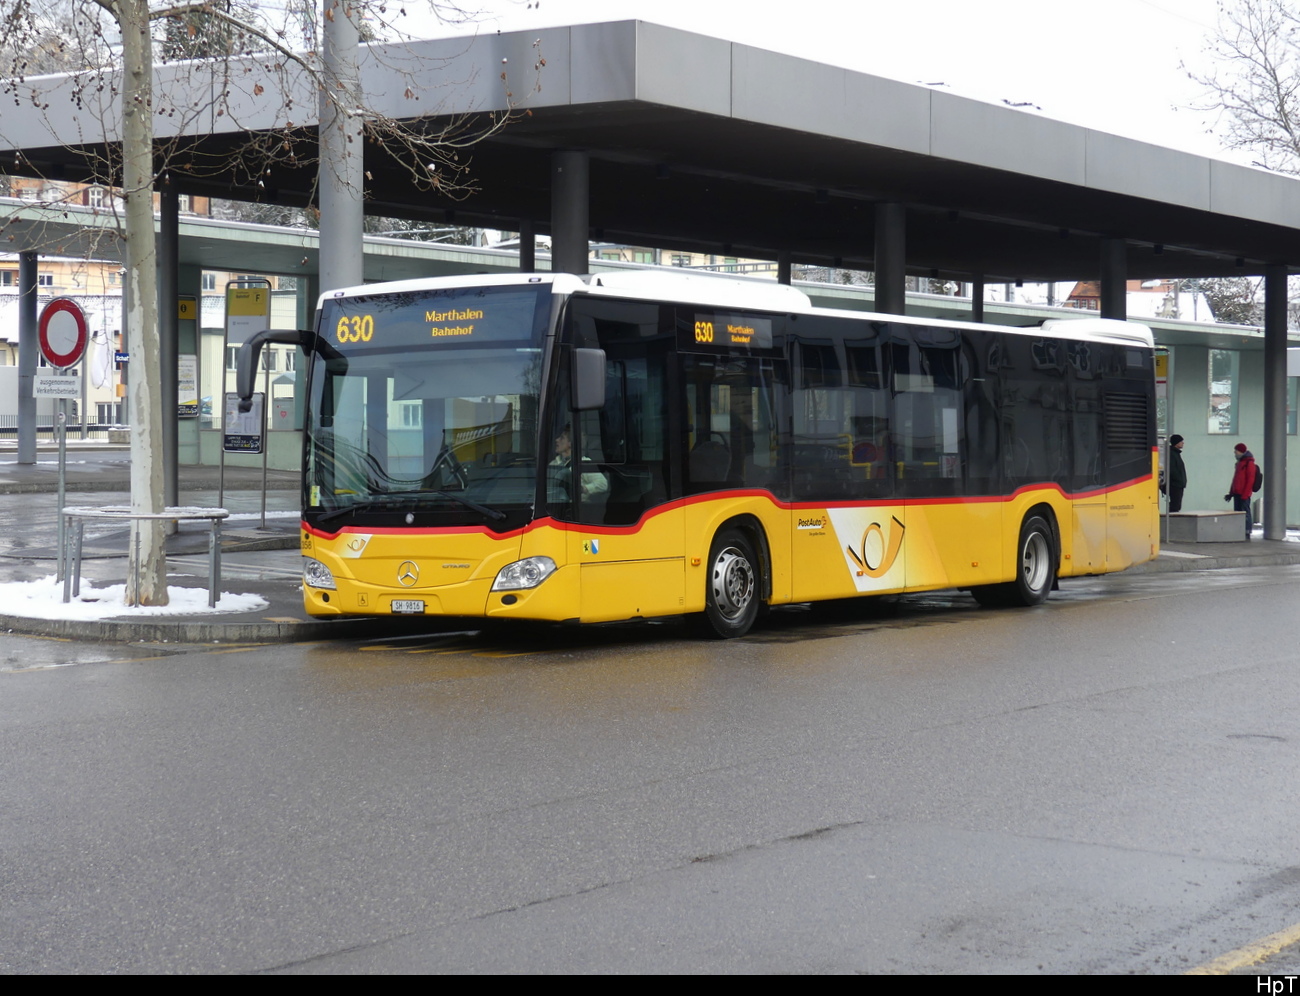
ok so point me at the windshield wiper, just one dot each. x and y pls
(359, 506)
(494, 514)
(401, 499)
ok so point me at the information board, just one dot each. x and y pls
(187, 386)
(242, 431)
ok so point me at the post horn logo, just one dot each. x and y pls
(888, 547)
(408, 573)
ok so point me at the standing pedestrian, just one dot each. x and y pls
(1176, 473)
(1243, 483)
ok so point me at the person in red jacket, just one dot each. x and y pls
(1243, 484)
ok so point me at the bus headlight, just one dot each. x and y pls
(317, 575)
(526, 573)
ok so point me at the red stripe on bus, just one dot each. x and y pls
(710, 496)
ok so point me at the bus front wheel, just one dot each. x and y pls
(732, 588)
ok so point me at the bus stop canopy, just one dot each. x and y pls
(702, 144)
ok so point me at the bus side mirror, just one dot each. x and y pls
(588, 378)
(247, 357)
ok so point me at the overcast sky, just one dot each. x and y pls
(1109, 64)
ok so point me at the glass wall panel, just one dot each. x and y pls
(1225, 381)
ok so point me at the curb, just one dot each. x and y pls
(249, 543)
(1180, 565)
(158, 630)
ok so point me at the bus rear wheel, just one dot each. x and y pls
(1036, 565)
(731, 599)
(1035, 569)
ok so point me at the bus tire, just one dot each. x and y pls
(1035, 569)
(732, 592)
(1035, 563)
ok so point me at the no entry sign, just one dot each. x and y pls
(63, 332)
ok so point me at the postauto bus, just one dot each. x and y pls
(637, 445)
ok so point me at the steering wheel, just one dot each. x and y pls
(447, 456)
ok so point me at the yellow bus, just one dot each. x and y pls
(647, 444)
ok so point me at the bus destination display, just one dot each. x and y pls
(404, 321)
(443, 324)
(727, 331)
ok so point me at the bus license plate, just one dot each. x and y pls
(408, 605)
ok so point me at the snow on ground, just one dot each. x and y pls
(43, 599)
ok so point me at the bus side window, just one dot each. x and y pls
(732, 433)
(635, 427)
(626, 440)
(1037, 437)
(929, 417)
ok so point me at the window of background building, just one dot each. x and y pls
(1292, 396)
(643, 256)
(45, 280)
(681, 259)
(208, 281)
(8, 278)
(182, 202)
(1224, 384)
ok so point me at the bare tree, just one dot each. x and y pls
(1253, 80)
(265, 79)
(1232, 300)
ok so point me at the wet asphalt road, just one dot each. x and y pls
(1106, 784)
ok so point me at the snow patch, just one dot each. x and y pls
(43, 599)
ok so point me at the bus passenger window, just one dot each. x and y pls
(731, 424)
(929, 423)
(1038, 439)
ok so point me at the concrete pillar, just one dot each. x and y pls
(1114, 279)
(341, 161)
(1274, 450)
(527, 246)
(891, 258)
(784, 267)
(977, 297)
(570, 211)
(168, 266)
(28, 349)
(308, 294)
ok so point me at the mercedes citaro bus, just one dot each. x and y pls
(647, 444)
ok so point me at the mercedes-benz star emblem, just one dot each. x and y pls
(408, 573)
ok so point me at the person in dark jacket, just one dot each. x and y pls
(1176, 473)
(1243, 484)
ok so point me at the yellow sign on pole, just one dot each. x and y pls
(248, 301)
(248, 310)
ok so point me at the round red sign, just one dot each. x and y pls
(63, 332)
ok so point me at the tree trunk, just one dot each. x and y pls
(342, 210)
(147, 577)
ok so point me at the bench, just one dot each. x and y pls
(1203, 527)
(70, 559)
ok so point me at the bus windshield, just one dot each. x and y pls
(425, 404)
